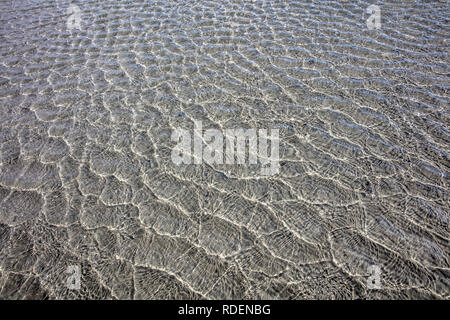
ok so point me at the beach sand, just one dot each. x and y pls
(92, 205)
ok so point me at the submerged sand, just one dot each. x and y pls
(86, 175)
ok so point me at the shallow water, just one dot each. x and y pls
(87, 180)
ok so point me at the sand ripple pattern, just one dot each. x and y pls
(86, 176)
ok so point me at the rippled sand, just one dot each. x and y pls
(86, 177)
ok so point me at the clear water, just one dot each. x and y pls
(86, 177)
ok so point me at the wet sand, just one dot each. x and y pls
(86, 175)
